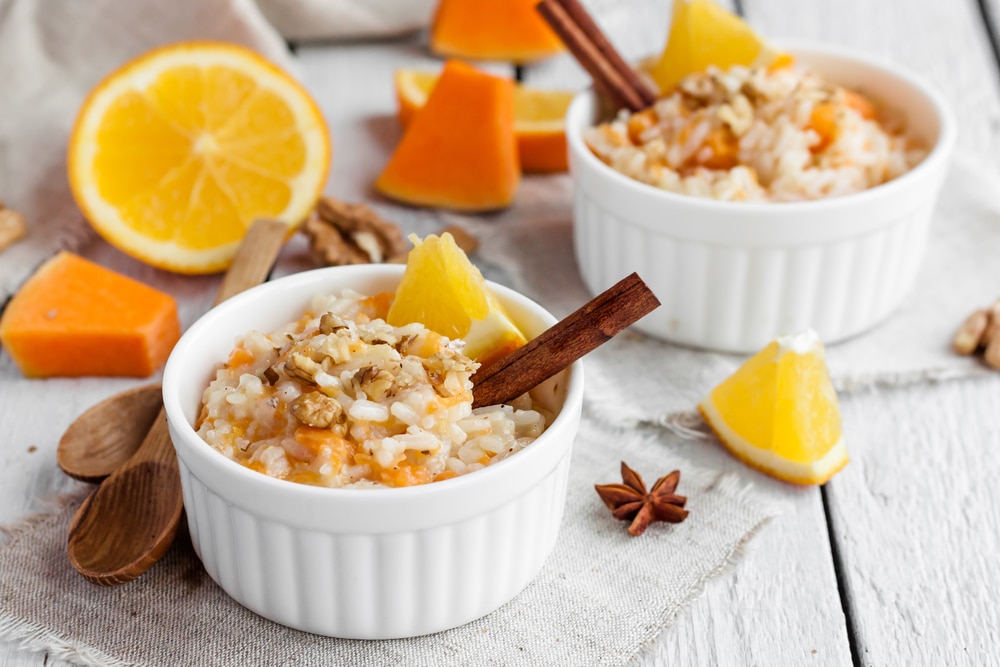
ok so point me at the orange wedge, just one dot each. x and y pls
(778, 413)
(445, 292)
(173, 155)
(701, 34)
(538, 119)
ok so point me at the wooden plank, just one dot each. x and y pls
(916, 522)
(911, 514)
(990, 13)
(779, 606)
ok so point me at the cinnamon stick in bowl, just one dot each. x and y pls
(594, 52)
(587, 328)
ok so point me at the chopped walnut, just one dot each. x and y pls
(317, 410)
(738, 115)
(341, 233)
(12, 226)
(443, 373)
(301, 366)
(330, 323)
(377, 384)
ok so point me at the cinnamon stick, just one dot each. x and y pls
(595, 323)
(590, 56)
(585, 22)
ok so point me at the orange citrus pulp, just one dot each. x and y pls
(442, 290)
(174, 154)
(779, 413)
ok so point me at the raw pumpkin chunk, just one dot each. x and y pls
(538, 118)
(459, 151)
(493, 30)
(76, 318)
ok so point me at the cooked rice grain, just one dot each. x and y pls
(755, 135)
(342, 399)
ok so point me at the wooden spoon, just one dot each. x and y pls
(128, 523)
(100, 440)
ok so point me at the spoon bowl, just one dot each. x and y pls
(104, 437)
(131, 520)
(128, 523)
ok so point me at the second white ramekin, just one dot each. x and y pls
(733, 276)
(373, 563)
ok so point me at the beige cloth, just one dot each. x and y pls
(52, 52)
(601, 598)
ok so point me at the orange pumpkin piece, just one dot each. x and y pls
(459, 151)
(725, 149)
(823, 119)
(493, 30)
(76, 318)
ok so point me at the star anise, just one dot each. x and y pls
(630, 500)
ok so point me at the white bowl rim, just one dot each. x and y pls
(938, 153)
(175, 371)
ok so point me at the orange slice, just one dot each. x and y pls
(778, 413)
(701, 34)
(442, 290)
(539, 127)
(174, 154)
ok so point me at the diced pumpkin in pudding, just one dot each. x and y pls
(76, 318)
(459, 151)
(724, 148)
(859, 103)
(493, 30)
(823, 119)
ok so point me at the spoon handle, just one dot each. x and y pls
(156, 447)
(254, 259)
(128, 523)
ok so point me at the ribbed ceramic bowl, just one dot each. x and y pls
(376, 563)
(732, 276)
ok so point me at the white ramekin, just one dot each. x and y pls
(732, 276)
(371, 564)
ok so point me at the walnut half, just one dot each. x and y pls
(317, 410)
(341, 233)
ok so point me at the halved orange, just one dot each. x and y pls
(174, 154)
(538, 118)
(779, 413)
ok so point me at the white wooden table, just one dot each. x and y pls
(894, 562)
